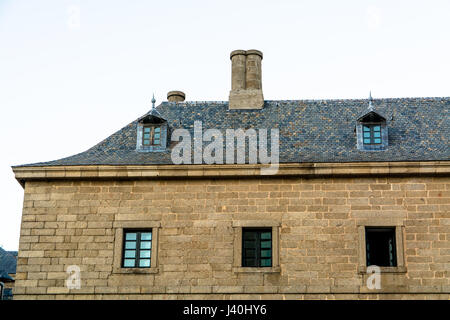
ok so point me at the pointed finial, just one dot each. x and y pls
(370, 101)
(153, 101)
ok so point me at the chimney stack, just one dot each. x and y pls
(246, 85)
(175, 96)
(238, 67)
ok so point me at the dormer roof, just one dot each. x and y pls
(153, 116)
(371, 116)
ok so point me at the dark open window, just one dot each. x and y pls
(372, 134)
(257, 247)
(151, 136)
(137, 248)
(380, 247)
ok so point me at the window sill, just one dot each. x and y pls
(256, 269)
(136, 270)
(400, 269)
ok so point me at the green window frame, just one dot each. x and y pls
(151, 136)
(257, 247)
(381, 246)
(372, 134)
(137, 248)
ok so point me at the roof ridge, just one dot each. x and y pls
(309, 100)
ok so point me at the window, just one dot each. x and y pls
(137, 249)
(372, 134)
(141, 256)
(151, 133)
(151, 136)
(381, 244)
(381, 247)
(257, 247)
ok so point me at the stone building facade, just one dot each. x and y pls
(331, 207)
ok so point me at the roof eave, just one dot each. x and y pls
(127, 172)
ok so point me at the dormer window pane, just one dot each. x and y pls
(371, 134)
(151, 136)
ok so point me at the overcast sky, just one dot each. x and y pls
(72, 72)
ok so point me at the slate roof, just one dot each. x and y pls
(8, 261)
(310, 130)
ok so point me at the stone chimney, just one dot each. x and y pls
(246, 86)
(175, 96)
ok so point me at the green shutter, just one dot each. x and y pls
(257, 247)
(250, 246)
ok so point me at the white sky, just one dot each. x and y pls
(68, 83)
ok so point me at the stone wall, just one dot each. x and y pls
(77, 222)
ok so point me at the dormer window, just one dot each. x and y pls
(151, 133)
(371, 134)
(151, 136)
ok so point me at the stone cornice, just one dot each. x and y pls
(23, 174)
